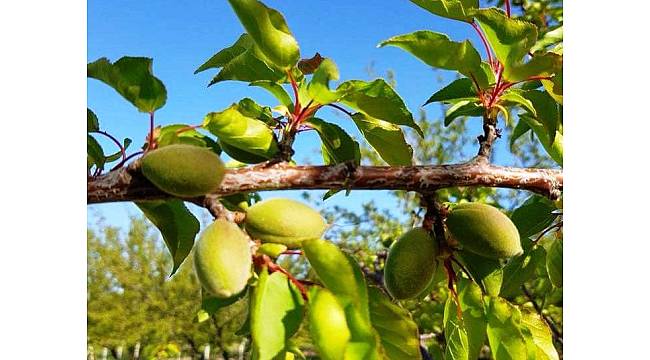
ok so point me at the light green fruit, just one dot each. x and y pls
(271, 249)
(411, 264)
(183, 170)
(327, 325)
(222, 259)
(484, 230)
(284, 221)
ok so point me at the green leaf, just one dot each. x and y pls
(397, 331)
(95, 153)
(504, 331)
(541, 336)
(488, 273)
(249, 108)
(455, 334)
(474, 321)
(276, 90)
(169, 134)
(553, 148)
(318, 88)
(337, 145)
(542, 64)
(92, 121)
(379, 100)
(519, 130)
(176, 224)
(242, 156)
(451, 9)
(463, 108)
(211, 304)
(516, 97)
(269, 30)
(245, 133)
(132, 78)
(554, 87)
(510, 38)
(225, 56)
(439, 51)
(554, 263)
(533, 216)
(520, 270)
(241, 61)
(118, 154)
(459, 89)
(386, 138)
(550, 38)
(277, 309)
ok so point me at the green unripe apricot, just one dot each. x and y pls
(183, 170)
(327, 325)
(222, 259)
(484, 230)
(284, 221)
(411, 264)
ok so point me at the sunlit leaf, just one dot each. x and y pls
(471, 327)
(132, 78)
(318, 88)
(516, 97)
(177, 226)
(386, 138)
(507, 341)
(235, 129)
(181, 134)
(269, 30)
(452, 9)
(379, 100)
(541, 336)
(337, 145)
(118, 154)
(550, 38)
(277, 309)
(240, 61)
(439, 51)
(510, 38)
(397, 331)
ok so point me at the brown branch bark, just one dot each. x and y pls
(128, 184)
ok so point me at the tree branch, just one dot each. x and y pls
(128, 184)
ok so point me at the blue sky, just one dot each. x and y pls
(181, 35)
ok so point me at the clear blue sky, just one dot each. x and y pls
(181, 35)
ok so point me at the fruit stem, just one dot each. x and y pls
(273, 267)
(151, 145)
(451, 281)
(507, 3)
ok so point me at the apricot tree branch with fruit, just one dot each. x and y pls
(472, 243)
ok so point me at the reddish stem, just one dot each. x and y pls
(122, 150)
(532, 78)
(273, 267)
(451, 280)
(340, 109)
(126, 159)
(294, 86)
(292, 252)
(485, 43)
(507, 2)
(151, 144)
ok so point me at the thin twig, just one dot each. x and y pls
(340, 108)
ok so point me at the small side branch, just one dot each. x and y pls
(490, 134)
